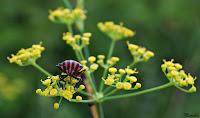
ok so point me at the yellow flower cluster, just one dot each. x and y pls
(139, 53)
(177, 76)
(74, 41)
(66, 16)
(11, 89)
(27, 56)
(63, 88)
(115, 32)
(112, 61)
(93, 66)
(115, 80)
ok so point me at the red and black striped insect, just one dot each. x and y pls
(71, 68)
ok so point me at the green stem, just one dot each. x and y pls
(100, 108)
(132, 64)
(102, 81)
(70, 29)
(84, 101)
(60, 100)
(112, 45)
(86, 94)
(67, 4)
(81, 55)
(113, 91)
(138, 93)
(87, 74)
(187, 91)
(41, 69)
(77, 55)
(107, 89)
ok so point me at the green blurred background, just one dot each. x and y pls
(169, 28)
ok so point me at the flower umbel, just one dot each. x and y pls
(177, 76)
(140, 54)
(74, 41)
(27, 56)
(63, 88)
(116, 80)
(115, 32)
(66, 16)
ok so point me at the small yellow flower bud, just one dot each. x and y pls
(189, 80)
(67, 94)
(81, 87)
(192, 89)
(49, 88)
(94, 67)
(137, 86)
(87, 34)
(119, 85)
(171, 68)
(85, 39)
(38, 91)
(45, 93)
(169, 63)
(77, 37)
(184, 83)
(112, 70)
(101, 57)
(78, 98)
(163, 66)
(141, 50)
(109, 62)
(114, 59)
(169, 75)
(92, 59)
(132, 79)
(70, 88)
(71, 41)
(109, 81)
(18, 62)
(46, 82)
(127, 86)
(55, 78)
(83, 62)
(132, 46)
(66, 11)
(182, 73)
(66, 37)
(122, 71)
(178, 66)
(56, 105)
(130, 71)
(134, 53)
(147, 55)
(53, 92)
(174, 73)
(100, 62)
(61, 92)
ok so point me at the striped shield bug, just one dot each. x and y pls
(71, 68)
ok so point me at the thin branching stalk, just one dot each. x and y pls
(41, 69)
(138, 93)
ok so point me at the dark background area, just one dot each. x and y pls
(169, 28)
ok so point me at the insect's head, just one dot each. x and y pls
(60, 67)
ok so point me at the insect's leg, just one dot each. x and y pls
(80, 79)
(62, 77)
